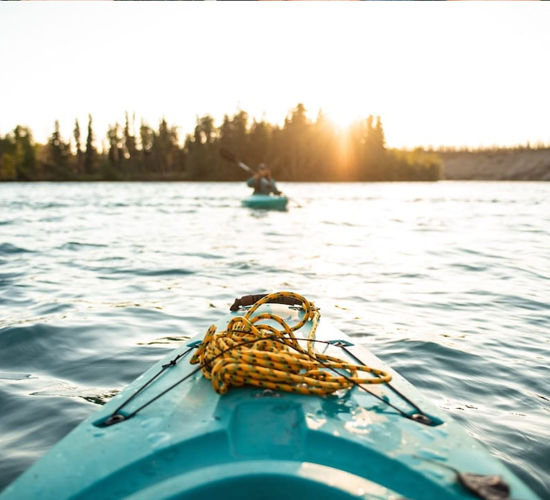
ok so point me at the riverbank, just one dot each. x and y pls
(499, 165)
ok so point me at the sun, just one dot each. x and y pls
(343, 117)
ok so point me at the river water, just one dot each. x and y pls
(448, 282)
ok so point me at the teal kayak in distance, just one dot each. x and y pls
(170, 435)
(265, 202)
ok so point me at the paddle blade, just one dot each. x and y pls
(227, 155)
(244, 166)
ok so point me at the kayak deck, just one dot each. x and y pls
(265, 202)
(257, 443)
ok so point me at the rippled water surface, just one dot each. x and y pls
(447, 282)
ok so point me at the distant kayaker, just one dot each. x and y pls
(262, 182)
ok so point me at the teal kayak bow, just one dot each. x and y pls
(174, 433)
(265, 202)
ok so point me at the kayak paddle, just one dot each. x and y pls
(229, 156)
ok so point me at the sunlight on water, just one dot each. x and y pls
(447, 282)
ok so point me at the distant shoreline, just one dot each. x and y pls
(519, 164)
(498, 165)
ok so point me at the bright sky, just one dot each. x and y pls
(452, 73)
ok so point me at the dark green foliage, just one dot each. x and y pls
(299, 150)
(18, 155)
(90, 153)
(201, 151)
(130, 145)
(58, 156)
(79, 157)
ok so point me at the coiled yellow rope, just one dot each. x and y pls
(252, 352)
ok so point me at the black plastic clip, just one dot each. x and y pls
(115, 418)
(341, 343)
(422, 418)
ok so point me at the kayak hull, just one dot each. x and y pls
(265, 202)
(255, 443)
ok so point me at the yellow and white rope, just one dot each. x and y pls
(252, 352)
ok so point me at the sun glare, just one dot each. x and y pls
(343, 118)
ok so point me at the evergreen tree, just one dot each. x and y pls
(78, 147)
(165, 145)
(8, 170)
(58, 153)
(115, 152)
(259, 139)
(234, 135)
(201, 150)
(90, 154)
(239, 125)
(296, 144)
(204, 130)
(146, 135)
(130, 148)
(379, 139)
(25, 156)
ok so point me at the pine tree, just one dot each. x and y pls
(130, 148)
(259, 139)
(90, 154)
(146, 136)
(8, 170)
(58, 152)
(25, 156)
(78, 146)
(296, 144)
(201, 150)
(114, 140)
(379, 140)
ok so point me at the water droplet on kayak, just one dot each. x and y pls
(158, 438)
(431, 454)
(151, 422)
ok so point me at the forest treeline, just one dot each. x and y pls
(299, 150)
